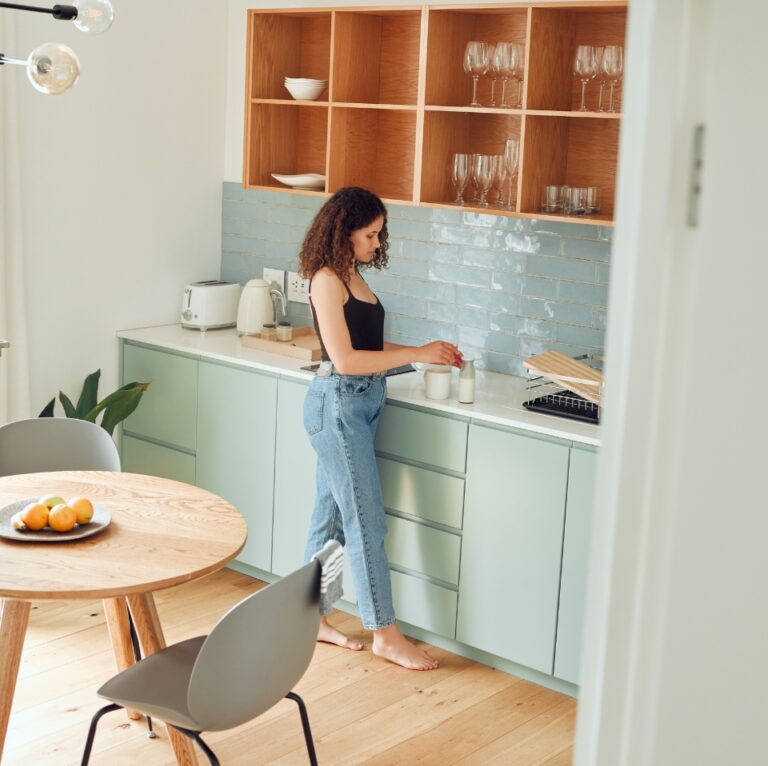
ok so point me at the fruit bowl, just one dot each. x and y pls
(100, 521)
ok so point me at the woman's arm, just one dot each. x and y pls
(328, 294)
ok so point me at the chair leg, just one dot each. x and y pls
(305, 725)
(92, 731)
(195, 735)
(137, 656)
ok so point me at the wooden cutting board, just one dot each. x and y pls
(304, 345)
(572, 374)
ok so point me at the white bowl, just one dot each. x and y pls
(303, 181)
(305, 91)
(305, 80)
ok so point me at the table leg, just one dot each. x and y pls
(13, 626)
(116, 612)
(147, 623)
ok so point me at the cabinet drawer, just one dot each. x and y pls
(168, 408)
(420, 492)
(139, 456)
(425, 550)
(424, 604)
(423, 437)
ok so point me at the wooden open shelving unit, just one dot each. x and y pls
(394, 112)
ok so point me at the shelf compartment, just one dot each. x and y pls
(555, 33)
(448, 133)
(291, 44)
(568, 150)
(448, 32)
(375, 149)
(387, 69)
(287, 139)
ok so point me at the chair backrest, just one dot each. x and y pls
(257, 652)
(56, 444)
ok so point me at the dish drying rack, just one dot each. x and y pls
(569, 387)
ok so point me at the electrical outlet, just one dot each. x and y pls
(275, 275)
(298, 288)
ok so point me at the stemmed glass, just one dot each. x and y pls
(600, 75)
(584, 69)
(519, 72)
(612, 66)
(476, 64)
(499, 177)
(460, 175)
(507, 55)
(493, 69)
(482, 175)
(511, 160)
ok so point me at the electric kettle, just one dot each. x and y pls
(256, 306)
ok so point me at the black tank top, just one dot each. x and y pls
(365, 322)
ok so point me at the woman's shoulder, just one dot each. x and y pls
(327, 282)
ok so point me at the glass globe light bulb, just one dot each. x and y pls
(94, 16)
(52, 68)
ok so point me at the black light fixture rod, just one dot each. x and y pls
(61, 12)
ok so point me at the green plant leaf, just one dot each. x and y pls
(88, 396)
(122, 394)
(121, 408)
(47, 411)
(69, 408)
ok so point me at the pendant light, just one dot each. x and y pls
(53, 68)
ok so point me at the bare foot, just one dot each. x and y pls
(330, 635)
(390, 644)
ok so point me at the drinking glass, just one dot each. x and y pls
(591, 200)
(483, 176)
(574, 202)
(493, 71)
(476, 64)
(507, 68)
(499, 168)
(553, 199)
(613, 68)
(519, 73)
(584, 69)
(460, 175)
(600, 75)
(511, 160)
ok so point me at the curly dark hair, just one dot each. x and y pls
(327, 242)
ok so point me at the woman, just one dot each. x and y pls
(343, 405)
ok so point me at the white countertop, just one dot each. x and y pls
(498, 398)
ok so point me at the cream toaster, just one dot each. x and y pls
(211, 304)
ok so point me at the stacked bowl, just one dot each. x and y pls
(305, 88)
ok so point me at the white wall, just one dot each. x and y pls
(121, 182)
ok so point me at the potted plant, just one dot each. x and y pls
(115, 407)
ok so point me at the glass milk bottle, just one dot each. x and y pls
(467, 382)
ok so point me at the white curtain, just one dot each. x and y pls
(14, 366)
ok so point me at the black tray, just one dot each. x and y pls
(565, 404)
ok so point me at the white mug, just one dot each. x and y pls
(438, 382)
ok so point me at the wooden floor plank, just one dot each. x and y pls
(363, 710)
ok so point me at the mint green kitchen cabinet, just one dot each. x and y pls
(168, 408)
(573, 581)
(140, 456)
(512, 542)
(236, 422)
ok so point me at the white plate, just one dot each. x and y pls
(98, 523)
(304, 181)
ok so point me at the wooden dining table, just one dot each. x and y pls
(161, 533)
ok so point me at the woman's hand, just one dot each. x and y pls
(439, 352)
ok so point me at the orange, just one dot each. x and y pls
(83, 508)
(35, 516)
(51, 500)
(62, 518)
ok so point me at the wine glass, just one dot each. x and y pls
(460, 175)
(613, 67)
(600, 75)
(584, 69)
(519, 73)
(511, 160)
(483, 176)
(507, 67)
(476, 64)
(499, 177)
(494, 59)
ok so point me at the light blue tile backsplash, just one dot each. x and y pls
(501, 288)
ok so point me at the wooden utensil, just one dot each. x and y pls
(572, 374)
(303, 345)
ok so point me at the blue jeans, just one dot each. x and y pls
(340, 415)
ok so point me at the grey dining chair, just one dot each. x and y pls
(252, 659)
(56, 444)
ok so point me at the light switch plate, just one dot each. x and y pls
(275, 275)
(298, 288)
